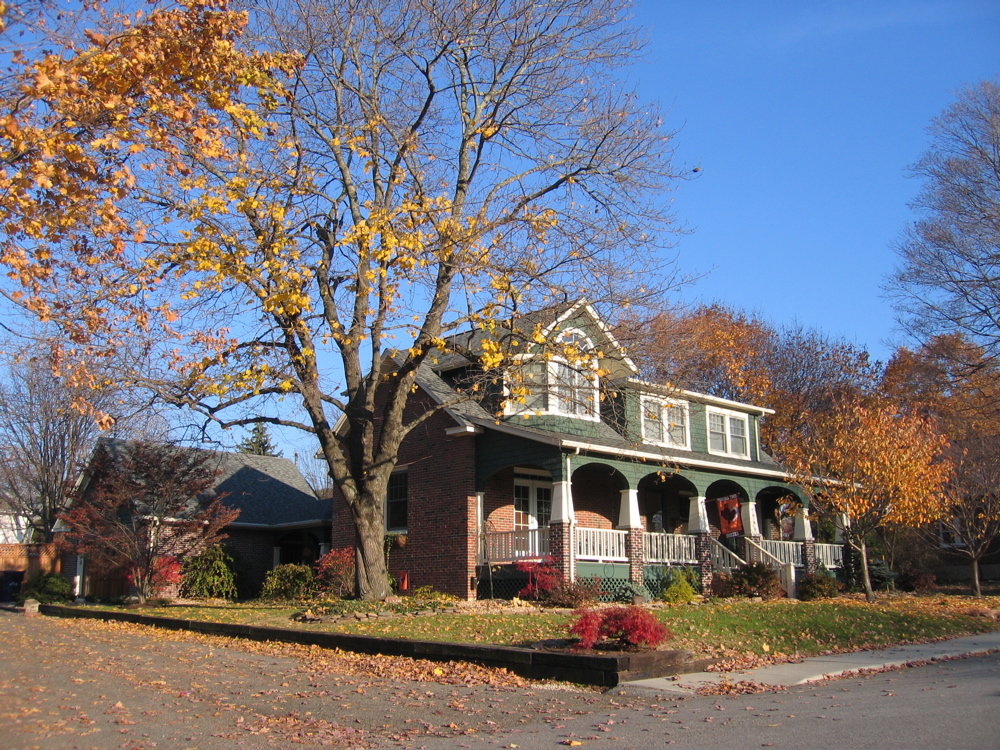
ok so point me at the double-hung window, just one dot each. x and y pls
(665, 422)
(728, 433)
(397, 502)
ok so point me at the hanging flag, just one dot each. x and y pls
(730, 521)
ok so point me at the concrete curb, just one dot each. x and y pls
(818, 668)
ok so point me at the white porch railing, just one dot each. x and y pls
(723, 559)
(786, 552)
(831, 555)
(508, 546)
(602, 545)
(785, 570)
(668, 548)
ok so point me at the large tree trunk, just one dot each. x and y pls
(866, 578)
(371, 573)
(977, 589)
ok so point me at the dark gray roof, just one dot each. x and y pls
(268, 490)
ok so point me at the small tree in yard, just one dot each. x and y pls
(868, 462)
(145, 503)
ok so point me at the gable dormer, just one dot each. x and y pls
(564, 364)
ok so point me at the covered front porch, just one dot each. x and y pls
(610, 520)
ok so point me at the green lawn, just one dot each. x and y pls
(724, 629)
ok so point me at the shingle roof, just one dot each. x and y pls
(268, 490)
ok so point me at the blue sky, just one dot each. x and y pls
(803, 118)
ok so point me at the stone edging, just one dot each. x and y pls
(602, 670)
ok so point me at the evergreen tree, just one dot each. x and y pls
(258, 442)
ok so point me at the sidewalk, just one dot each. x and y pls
(820, 667)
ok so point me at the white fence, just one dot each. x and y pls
(723, 559)
(508, 546)
(831, 555)
(668, 548)
(602, 545)
(785, 552)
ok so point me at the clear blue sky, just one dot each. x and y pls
(803, 118)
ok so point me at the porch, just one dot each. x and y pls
(790, 559)
(611, 545)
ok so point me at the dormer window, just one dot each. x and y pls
(564, 385)
(728, 433)
(665, 422)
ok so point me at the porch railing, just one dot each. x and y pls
(723, 558)
(508, 546)
(602, 545)
(668, 548)
(785, 552)
(831, 555)
(785, 570)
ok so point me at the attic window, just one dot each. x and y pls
(564, 385)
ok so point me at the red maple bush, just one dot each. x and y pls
(335, 571)
(543, 578)
(623, 627)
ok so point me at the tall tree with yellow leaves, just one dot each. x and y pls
(868, 464)
(430, 167)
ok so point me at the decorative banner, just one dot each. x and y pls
(730, 521)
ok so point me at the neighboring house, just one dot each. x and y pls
(610, 476)
(281, 519)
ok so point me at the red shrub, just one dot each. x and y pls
(166, 572)
(543, 578)
(335, 571)
(629, 627)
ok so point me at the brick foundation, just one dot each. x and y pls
(703, 551)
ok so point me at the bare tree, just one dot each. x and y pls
(47, 430)
(949, 276)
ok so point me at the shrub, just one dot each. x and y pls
(209, 575)
(818, 585)
(625, 627)
(289, 581)
(757, 579)
(166, 573)
(679, 591)
(46, 588)
(752, 579)
(573, 594)
(630, 590)
(920, 581)
(543, 577)
(335, 572)
(881, 576)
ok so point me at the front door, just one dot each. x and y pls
(532, 504)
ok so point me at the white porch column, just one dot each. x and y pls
(628, 510)
(803, 529)
(78, 578)
(748, 513)
(698, 516)
(480, 512)
(562, 503)
(275, 557)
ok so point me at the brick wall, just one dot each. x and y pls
(596, 498)
(441, 543)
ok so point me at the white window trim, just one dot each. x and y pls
(534, 485)
(663, 404)
(726, 414)
(513, 407)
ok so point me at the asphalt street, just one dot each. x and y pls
(82, 684)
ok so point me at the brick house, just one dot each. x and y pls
(610, 476)
(281, 520)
